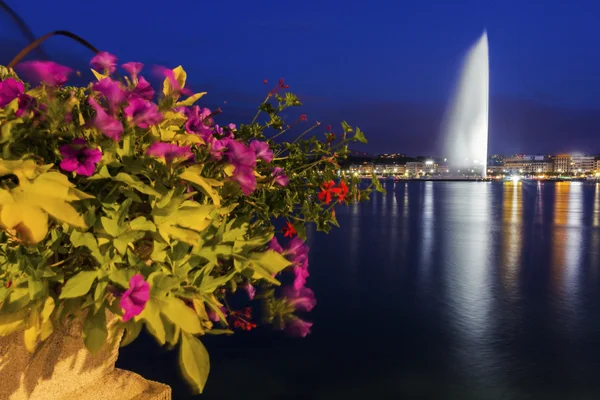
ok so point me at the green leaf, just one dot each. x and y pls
(122, 276)
(192, 174)
(269, 263)
(132, 331)
(135, 183)
(194, 361)
(183, 316)
(154, 324)
(94, 330)
(209, 284)
(111, 226)
(11, 322)
(79, 285)
(142, 224)
(88, 240)
(360, 136)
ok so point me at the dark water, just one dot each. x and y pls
(437, 290)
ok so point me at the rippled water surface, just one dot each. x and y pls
(435, 290)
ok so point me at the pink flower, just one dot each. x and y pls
(199, 122)
(135, 298)
(134, 69)
(142, 113)
(251, 290)
(213, 316)
(79, 158)
(302, 299)
(169, 151)
(217, 147)
(49, 72)
(298, 327)
(143, 89)
(262, 151)
(112, 91)
(244, 160)
(274, 245)
(10, 89)
(279, 177)
(106, 124)
(104, 62)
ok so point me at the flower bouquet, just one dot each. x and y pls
(124, 208)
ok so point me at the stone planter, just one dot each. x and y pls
(61, 368)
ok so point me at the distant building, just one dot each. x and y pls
(562, 163)
(525, 164)
(496, 169)
(583, 164)
(415, 168)
(597, 164)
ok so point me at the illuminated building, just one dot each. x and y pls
(527, 165)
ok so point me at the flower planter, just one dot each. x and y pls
(62, 368)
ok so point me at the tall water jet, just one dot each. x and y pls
(466, 124)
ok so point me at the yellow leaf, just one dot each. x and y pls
(32, 331)
(180, 77)
(58, 209)
(192, 174)
(48, 308)
(11, 322)
(229, 169)
(181, 315)
(98, 75)
(6, 132)
(30, 222)
(37, 92)
(194, 361)
(154, 324)
(190, 100)
(188, 139)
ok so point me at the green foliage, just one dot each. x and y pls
(70, 243)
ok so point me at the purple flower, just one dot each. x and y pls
(135, 298)
(262, 150)
(105, 123)
(244, 160)
(79, 158)
(113, 92)
(298, 327)
(297, 253)
(213, 316)
(300, 276)
(10, 89)
(198, 122)
(217, 147)
(303, 299)
(104, 62)
(274, 245)
(26, 103)
(143, 89)
(134, 69)
(169, 151)
(279, 177)
(48, 72)
(251, 290)
(142, 113)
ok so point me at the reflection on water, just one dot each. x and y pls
(438, 290)
(512, 240)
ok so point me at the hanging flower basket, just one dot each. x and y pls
(118, 200)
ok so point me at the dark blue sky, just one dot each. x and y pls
(388, 66)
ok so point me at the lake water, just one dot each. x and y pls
(436, 290)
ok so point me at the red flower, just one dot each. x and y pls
(328, 128)
(303, 117)
(282, 84)
(288, 230)
(327, 190)
(266, 82)
(343, 192)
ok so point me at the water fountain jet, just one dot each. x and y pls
(466, 124)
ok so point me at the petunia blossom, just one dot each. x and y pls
(142, 113)
(113, 92)
(199, 122)
(262, 150)
(214, 316)
(25, 104)
(279, 177)
(303, 299)
(10, 89)
(244, 160)
(274, 245)
(298, 327)
(79, 158)
(49, 72)
(133, 68)
(251, 290)
(134, 300)
(106, 124)
(301, 274)
(169, 151)
(104, 62)
(143, 89)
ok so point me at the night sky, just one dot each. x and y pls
(386, 66)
